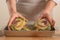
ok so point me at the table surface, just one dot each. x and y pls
(55, 37)
(29, 38)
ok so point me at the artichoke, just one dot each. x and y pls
(18, 24)
(42, 24)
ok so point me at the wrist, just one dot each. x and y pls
(13, 9)
(50, 5)
(13, 13)
(47, 9)
(46, 12)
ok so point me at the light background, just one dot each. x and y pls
(4, 15)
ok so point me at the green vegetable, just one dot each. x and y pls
(12, 27)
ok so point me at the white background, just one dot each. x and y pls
(4, 15)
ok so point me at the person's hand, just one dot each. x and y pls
(13, 16)
(46, 14)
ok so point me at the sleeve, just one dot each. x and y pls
(56, 1)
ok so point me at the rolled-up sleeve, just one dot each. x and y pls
(56, 1)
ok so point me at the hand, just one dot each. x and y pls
(46, 14)
(13, 16)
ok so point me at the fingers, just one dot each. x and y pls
(10, 21)
(51, 21)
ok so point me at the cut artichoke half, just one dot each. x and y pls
(42, 24)
(20, 23)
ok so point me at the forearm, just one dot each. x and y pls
(12, 5)
(49, 6)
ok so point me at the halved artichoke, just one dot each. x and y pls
(18, 24)
(42, 24)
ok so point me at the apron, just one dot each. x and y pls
(30, 9)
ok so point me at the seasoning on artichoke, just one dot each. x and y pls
(42, 24)
(18, 24)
